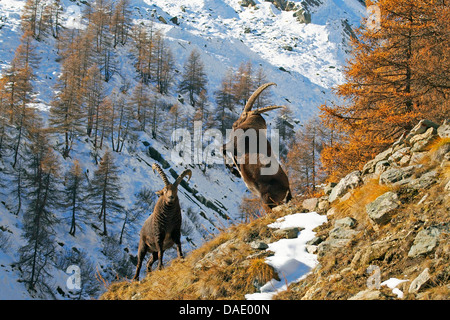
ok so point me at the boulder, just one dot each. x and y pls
(310, 204)
(350, 181)
(287, 233)
(391, 175)
(425, 241)
(399, 154)
(383, 155)
(345, 222)
(342, 233)
(330, 245)
(425, 181)
(259, 245)
(421, 127)
(380, 210)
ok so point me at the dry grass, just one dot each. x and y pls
(355, 205)
(219, 269)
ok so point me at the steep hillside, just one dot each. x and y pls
(384, 235)
(304, 57)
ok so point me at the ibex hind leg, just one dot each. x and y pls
(151, 260)
(141, 255)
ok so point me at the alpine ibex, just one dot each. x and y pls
(255, 160)
(162, 229)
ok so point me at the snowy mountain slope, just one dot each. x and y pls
(303, 59)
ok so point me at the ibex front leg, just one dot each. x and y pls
(160, 250)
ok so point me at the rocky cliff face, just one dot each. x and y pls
(389, 225)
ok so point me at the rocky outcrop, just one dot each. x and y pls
(403, 231)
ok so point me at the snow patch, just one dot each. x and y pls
(291, 260)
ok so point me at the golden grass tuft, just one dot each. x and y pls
(355, 205)
(438, 143)
(259, 272)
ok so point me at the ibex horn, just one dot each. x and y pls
(156, 167)
(186, 172)
(266, 109)
(254, 96)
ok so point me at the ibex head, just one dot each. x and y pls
(252, 118)
(170, 191)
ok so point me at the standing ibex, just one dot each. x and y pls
(250, 158)
(163, 228)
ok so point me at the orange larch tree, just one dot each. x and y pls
(388, 87)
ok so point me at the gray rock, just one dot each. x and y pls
(369, 167)
(417, 157)
(342, 233)
(310, 204)
(425, 241)
(421, 127)
(314, 241)
(380, 210)
(330, 245)
(345, 222)
(391, 175)
(425, 181)
(288, 233)
(259, 245)
(418, 282)
(424, 136)
(399, 154)
(382, 166)
(383, 155)
(350, 181)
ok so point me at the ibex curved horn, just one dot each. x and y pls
(156, 167)
(266, 109)
(255, 95)
(186, 172)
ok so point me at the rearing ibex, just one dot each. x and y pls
(162, 229)
(250, 158)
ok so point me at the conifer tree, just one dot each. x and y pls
(74, 196)
(225, 100)
(121, 120)
(387, 89)
(36, 18)
(121, 22)
(19, 88)
(243, 85)
(105, 192)
(194, 78)
(164, 64)
(39, 219)
(66, 114)
(303, 158)
(141, 104)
